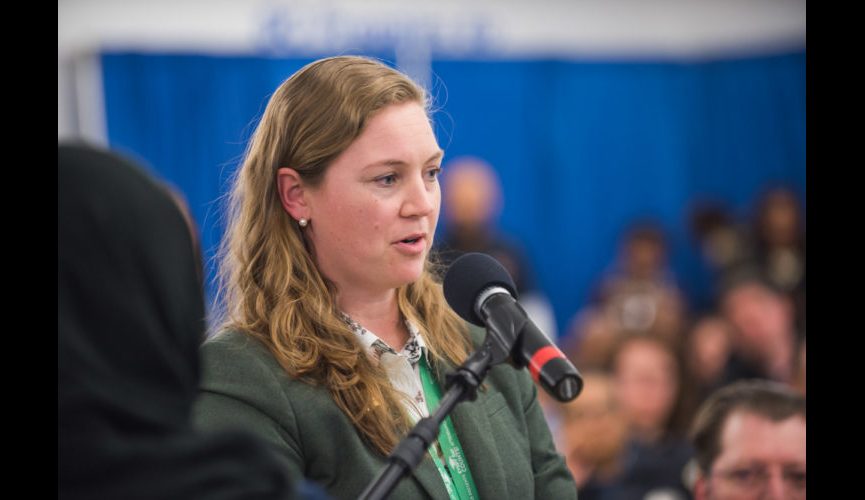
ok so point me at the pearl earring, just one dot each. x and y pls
(303, 222)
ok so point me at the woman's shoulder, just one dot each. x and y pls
(238, 361)
(234, 342)
(239, 371)
(231, 349)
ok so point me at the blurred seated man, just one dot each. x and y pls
(750, 443)
(472, 200)
(764, 336)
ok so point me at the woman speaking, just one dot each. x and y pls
(334, 336)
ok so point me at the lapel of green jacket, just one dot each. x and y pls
(426, 473)
(472, 424)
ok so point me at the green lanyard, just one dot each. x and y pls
(455, 470)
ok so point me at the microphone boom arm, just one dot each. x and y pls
(461, 386)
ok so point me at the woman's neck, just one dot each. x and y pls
(377, 313)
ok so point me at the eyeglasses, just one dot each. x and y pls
(755, 479)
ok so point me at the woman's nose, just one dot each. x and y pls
(421, 197)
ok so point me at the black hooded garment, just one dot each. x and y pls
(131, 318)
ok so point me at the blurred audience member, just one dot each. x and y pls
(724, 244)
(131, 318)
(779, 237)
(749, 441)
(472, 202)
(592, 438)
(708, 346)
(640, 292)
(799, 376)
(591, 338)
(764, 337)
(647, 380)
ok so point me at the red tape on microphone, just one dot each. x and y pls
(540, 359)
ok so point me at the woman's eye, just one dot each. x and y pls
(433, 173)
(387, 180)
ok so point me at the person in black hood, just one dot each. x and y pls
(131, 319)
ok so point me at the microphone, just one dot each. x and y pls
(480, 290)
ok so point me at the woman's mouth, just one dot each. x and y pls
(413, 244)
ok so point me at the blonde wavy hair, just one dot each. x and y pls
(269, 285)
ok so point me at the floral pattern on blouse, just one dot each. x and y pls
(401, 367)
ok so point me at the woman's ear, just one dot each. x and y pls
(292, 193)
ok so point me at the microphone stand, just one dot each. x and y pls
(461, 386)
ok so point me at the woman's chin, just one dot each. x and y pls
(408, 275)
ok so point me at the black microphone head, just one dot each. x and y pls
(468, 276)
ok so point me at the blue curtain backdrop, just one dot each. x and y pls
(583, 149)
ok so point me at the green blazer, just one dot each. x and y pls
(503, 432)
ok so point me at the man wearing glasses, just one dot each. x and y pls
(749, 439)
